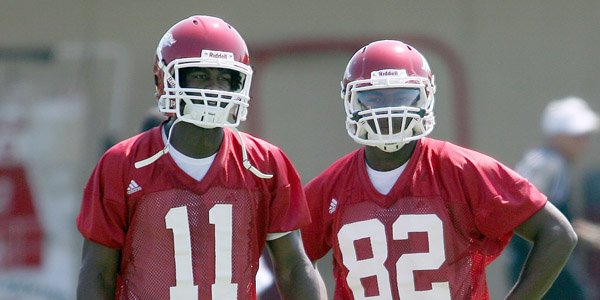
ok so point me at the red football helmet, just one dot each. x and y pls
(388, 91)
(203, 42)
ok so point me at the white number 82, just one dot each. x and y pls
(374, 230)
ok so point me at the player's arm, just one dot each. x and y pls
(553, 240)
(322, 287)
(295, 276)
(97, 276)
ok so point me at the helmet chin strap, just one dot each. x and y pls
(395, 146)
(165, 150)
(157, 155)
(245, 160)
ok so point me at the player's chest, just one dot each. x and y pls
(414, 236)
(405, 222)
(215, 203)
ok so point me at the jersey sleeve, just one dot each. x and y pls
(289, 210)
(314, 234)
(102, 216)
(500, 198)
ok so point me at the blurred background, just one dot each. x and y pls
(76, 76)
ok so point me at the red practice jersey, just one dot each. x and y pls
(451, 212)
(187, 239)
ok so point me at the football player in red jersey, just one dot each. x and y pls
(411, 217)
(183, 210)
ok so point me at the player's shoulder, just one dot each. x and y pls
(448, 153)
(347, 161)
(264, 155)
(138, 146)
(344, 165)
(446, 148)
(251, 142)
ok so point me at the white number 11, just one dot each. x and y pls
(221, 216)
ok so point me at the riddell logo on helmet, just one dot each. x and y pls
(217, 54)
(388, 72)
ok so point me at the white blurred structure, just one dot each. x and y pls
(44, 130)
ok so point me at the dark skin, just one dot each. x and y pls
(376, 158)
(553, 240)
(294, 274)
(194, 141)
(386, 161)
(552, 236)
(98, 273)
(187, 138)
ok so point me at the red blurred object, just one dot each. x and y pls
(21, 235)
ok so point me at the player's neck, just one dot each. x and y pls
(194, 141)
(386, 161)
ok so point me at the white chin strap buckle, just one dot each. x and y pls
(204, 114)
(393, 147)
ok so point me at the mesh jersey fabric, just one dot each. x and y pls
(146, 213)
(451, 213)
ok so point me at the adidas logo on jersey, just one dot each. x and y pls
(133, 187)
(332, 206)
